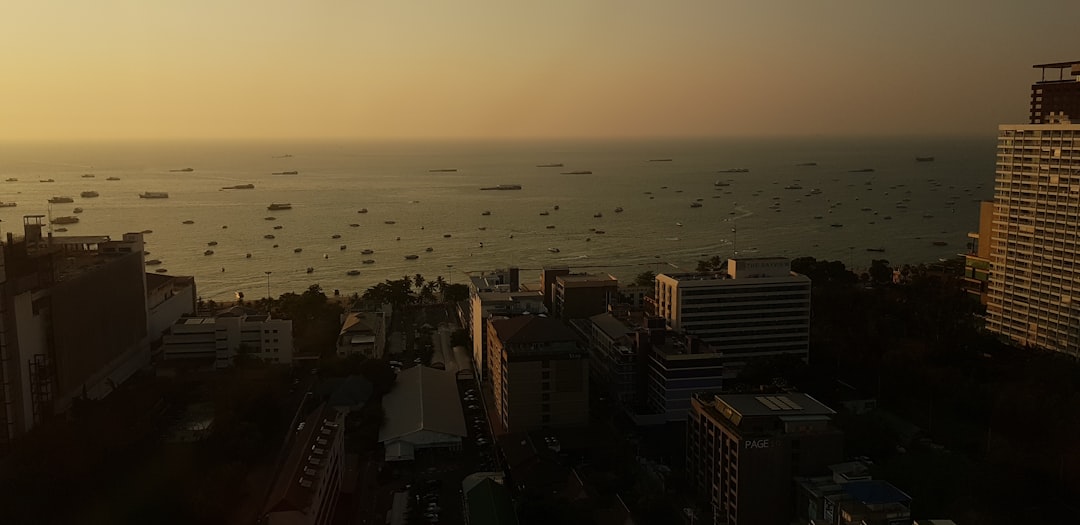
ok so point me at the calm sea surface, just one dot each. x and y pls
(658, 229)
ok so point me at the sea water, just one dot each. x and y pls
(749, 213)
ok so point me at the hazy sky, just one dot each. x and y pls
(154, 69)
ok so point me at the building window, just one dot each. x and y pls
(545, 419)
(545, 386)
(545, 375)
(545, 407)
(545, 397)
(546, 363)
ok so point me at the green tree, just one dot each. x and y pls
(646, 278)
(456, 292)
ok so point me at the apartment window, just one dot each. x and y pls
(545, 419)
(545, 386)
(545, 407)
(545, 397)
(545, 375)
(546, 363)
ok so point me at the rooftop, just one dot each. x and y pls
(588, 278)
(875, 492)
(526, 329)
(611, 326)
(299, 478)
(785, 405)
(423, 398)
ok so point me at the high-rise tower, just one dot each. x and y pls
(1033, 296)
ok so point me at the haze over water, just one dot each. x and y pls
(393, 181)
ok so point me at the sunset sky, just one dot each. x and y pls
(370, 69)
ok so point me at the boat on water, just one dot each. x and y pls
(720, 184)
(147, 231)
(77, 210)
(806, 164)
(545, 212)
(285, 173)
(695, 204)
(735, 170)
(555, 165)
(8, 204)
(354, 225)
(367, 251)
(270, 218)
(239, 187)
(89, 194)
(368, 261)
(297, 250)
(618, 209)
(154, 195)
(310, 269)
(940, 243)
(550, 226)
(247, 256)
(429, 249)
(268, 236)
(599, 232)
(88, 175)
(862, 170)
(502, 187)
(659, 160)
(342, 247)
(285, 156)
(182, 170)
(61, 230)
(46, 180)
(335, 236)
(389, 222)
(443, 170)
(208, 252)
(553, 250)
(485, 212)
(11, 179)
(837, 225)
(555, 207)
(353, 272)
(362, 210)
(189, 221)
(161, 270)
(153, 262)
(678, 224)
(68, 219)
(924, 159)
(275, 206)
(278, 227)
(411, 257)
(112, 178)
(598, 215)
(879, 250)
(212, 243)
(60, 200)
(793, 187)
(446, 236)
(578, 172)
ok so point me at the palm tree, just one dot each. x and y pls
(440, 283)
(418, 281)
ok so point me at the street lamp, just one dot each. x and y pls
(268, 287)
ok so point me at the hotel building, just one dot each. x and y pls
(757, 309)
(1033, 297)
(742, 451)
(73, 321)
(539, 373)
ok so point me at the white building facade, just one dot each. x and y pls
(757, 309)
(1033, 297)
(223, 337)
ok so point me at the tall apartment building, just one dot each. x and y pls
(1033, 297)
(73, 321)
(757, 309)
(496, 294)
(742, 451)
(219, 339)
(539, 373)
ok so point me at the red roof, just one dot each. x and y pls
(532, 329)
